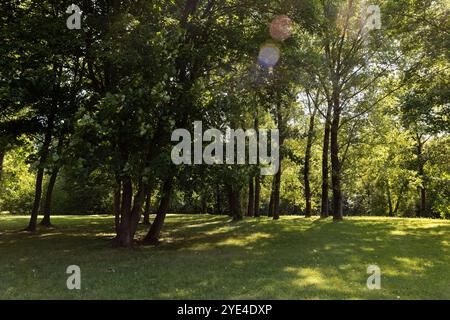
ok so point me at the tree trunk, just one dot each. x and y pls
(218, 200)
(130, 212)
(389, 198)
(204, 205)
(124, 236)
(276, 195)
(421, 171)
(37, 201)
(251, 198)
(235, 203)
(306, 172)
(138, 202)
(423, 202)
(147, 208)
(272, 197)
(324, 210)
(257, 195)
(391, 209)
(256, 206)
(116, 205)
(152, 237)
(39, 177)
(2, 158)
(399, 199)
(397, 206)
(48, 199)
(336, 166)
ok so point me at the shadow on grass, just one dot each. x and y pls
(326, 259)
(207, 257)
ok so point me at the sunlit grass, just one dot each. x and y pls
(208, 257)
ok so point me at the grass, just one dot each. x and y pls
(207, 257)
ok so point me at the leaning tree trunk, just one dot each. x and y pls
(306, 172)
(152, 237)
(40, 177)
(139, 200)
(51, 185)
(324, 210)
(251, 198)
(148, 200)
(336, 167)
(48, 199)
(37, 201)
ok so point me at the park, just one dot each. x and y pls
(121, 178)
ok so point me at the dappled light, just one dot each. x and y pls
(293, 258)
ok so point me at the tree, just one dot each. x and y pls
(307, 162)
(43, 75)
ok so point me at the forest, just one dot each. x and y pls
(89, 98)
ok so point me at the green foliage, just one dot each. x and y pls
(17, 185)
(110, 94)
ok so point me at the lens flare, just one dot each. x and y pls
(269, 55)
(281, 28)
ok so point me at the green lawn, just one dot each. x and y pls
(207, 257)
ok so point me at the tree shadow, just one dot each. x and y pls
(294, 258)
